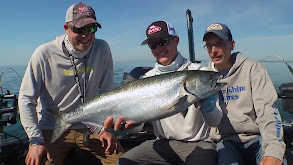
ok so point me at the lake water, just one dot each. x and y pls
(12, 76)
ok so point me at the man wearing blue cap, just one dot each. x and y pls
(250, 131)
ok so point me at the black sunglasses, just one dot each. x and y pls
(82, 30)
(161, 42)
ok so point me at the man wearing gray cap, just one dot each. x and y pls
(250, 131)
(60, 76)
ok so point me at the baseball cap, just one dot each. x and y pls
(221, 30)
(159, 29)
(81, 14)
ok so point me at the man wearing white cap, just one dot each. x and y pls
(183, 137)
(62, 75)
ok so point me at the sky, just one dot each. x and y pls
(262, 29)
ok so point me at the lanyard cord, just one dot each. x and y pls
(82, 94)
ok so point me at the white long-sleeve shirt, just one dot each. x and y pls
(189, 125)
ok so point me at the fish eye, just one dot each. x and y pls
(211, 77)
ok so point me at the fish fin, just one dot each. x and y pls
(127, 78)
(135, 74)
(93, 128)
(60, 127)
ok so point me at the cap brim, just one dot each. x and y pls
(219, 34)
(145, 42)
(160, 36)
(99, 25)
(87, 21)
(204, 36)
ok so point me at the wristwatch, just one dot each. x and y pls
(35, 144)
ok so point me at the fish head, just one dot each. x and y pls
(203, 84)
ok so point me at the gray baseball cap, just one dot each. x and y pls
(221, 30)
(81, 14)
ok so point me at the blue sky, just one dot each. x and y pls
(260, 28)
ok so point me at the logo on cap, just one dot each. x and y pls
(85, 10)
(215, 27)
(154, 29)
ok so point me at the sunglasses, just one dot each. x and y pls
(82, 30)
(161, 42)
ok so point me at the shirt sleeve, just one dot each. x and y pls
(268, 117)
(213, 116)
(29, 93)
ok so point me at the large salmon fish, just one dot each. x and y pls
(143, 100)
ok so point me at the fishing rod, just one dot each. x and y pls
(189, 20)
(2, 72)
(286, 90)
(9, 69)
(288, 66)
(190, 35)
(8, 105)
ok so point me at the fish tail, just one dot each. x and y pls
(60, 127)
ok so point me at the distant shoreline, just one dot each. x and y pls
(272, 61)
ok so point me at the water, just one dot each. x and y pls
(278, 72)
